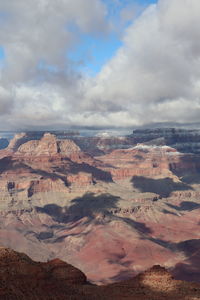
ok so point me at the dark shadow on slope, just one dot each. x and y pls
(44, 235)
(90, 209)
(7, 163)
(139, 226)
(188, 168)
(163, 187)
(118, 260)
(191, 179)
(185, 206)
(167, 212)
(69, 167)
(123, 275)
(87, 206)
(52, 176)
(75, 168)
(98, 174)
(166, 244)
(190, 268)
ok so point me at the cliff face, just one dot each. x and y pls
(149, 161)
(45, 165)
(23, 278)
(48, 146)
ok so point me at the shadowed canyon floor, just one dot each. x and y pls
(112, 215)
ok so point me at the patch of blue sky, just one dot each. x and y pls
(93, 52)
(2, 56)
(43, 65)
(115, 7)
(2, 53)
(4, 16)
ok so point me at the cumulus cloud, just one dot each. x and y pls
(155, 74)
(36, 37)
(153, 77)
(5, 101)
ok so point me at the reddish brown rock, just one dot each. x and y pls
(48, 146)
(45, 165)
(148, 161)
(22, 278)
(82, 179)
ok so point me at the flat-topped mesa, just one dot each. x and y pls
(48, 146)
(148, 160)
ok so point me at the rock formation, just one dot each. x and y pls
(23, 278)
(149, 161)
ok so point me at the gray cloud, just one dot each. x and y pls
(5, 101)
(153, 77)
(36, 36)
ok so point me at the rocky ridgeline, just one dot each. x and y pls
(22, 278)
(184, 140)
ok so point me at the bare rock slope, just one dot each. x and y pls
(24, 279)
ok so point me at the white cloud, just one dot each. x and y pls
(153, 77)
(36, 36)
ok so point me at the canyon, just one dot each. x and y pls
(111, 207)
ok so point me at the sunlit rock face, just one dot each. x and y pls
(111, 215)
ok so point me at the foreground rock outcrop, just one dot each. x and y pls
(24, 279)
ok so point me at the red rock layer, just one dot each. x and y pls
(148, 161)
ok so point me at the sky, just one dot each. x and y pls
(98, 63)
